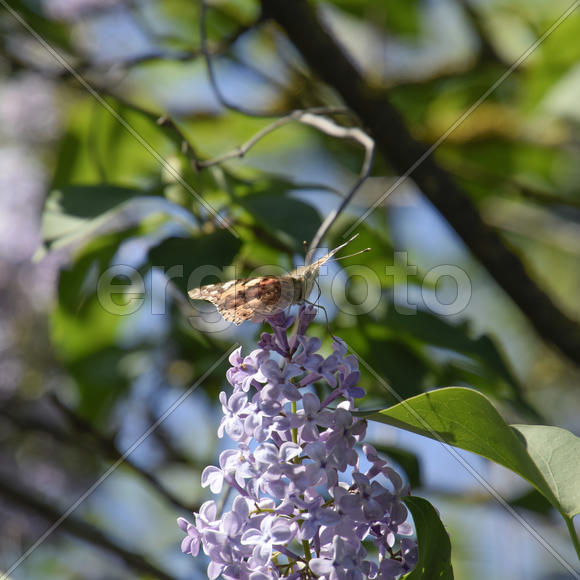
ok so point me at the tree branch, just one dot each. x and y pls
(369, 146)
(307, 117)
(312, 118)
(211, 72)
(109, 450)
(17, 494)
(323, 54)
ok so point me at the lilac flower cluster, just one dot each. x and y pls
(292, 517)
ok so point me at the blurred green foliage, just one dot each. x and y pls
(125, 188)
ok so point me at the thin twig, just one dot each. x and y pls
(222, 99)
(408, 157)
(358, 135)
(312, 118)
(211, 72)
(300, 116)
(307, 117)
(183, 55)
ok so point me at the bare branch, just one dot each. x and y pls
(312, 118)
(17, 494)
(369, 146)
(109, 449)
(302, 116)
(211, 72)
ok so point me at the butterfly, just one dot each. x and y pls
(254, 299)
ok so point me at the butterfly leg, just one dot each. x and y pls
(316, 305)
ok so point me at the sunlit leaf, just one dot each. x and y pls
(85, 332)
(556, 452)
(547, 457)
(77, 211)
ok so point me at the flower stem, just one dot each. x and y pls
(224, 499)
(307, 552)
(295, 429)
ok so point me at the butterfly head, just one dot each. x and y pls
(308, 274)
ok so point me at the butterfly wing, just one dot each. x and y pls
(257, 298)
(248, 299)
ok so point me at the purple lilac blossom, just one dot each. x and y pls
(292, 517)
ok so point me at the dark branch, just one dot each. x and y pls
(327, 59)
(29, 501)
(109, 449)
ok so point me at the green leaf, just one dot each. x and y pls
(404, 368)
(295, 218)
(556, 452)
(466, 419)
(433, 542)
(189, 261)
(400, 17)
(532, 500)
(67, 156)
(403, 17)
(85, 333)
(77, 211)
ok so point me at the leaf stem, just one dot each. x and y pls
(572, 531)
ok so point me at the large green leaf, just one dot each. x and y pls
(295, 218)
(466, 419)
(556, 452)
(434, 546)
(77, 211)
(191, 262)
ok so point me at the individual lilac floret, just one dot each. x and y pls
(245, 370)
(294, 515)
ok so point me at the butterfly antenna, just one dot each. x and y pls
(351, 255)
